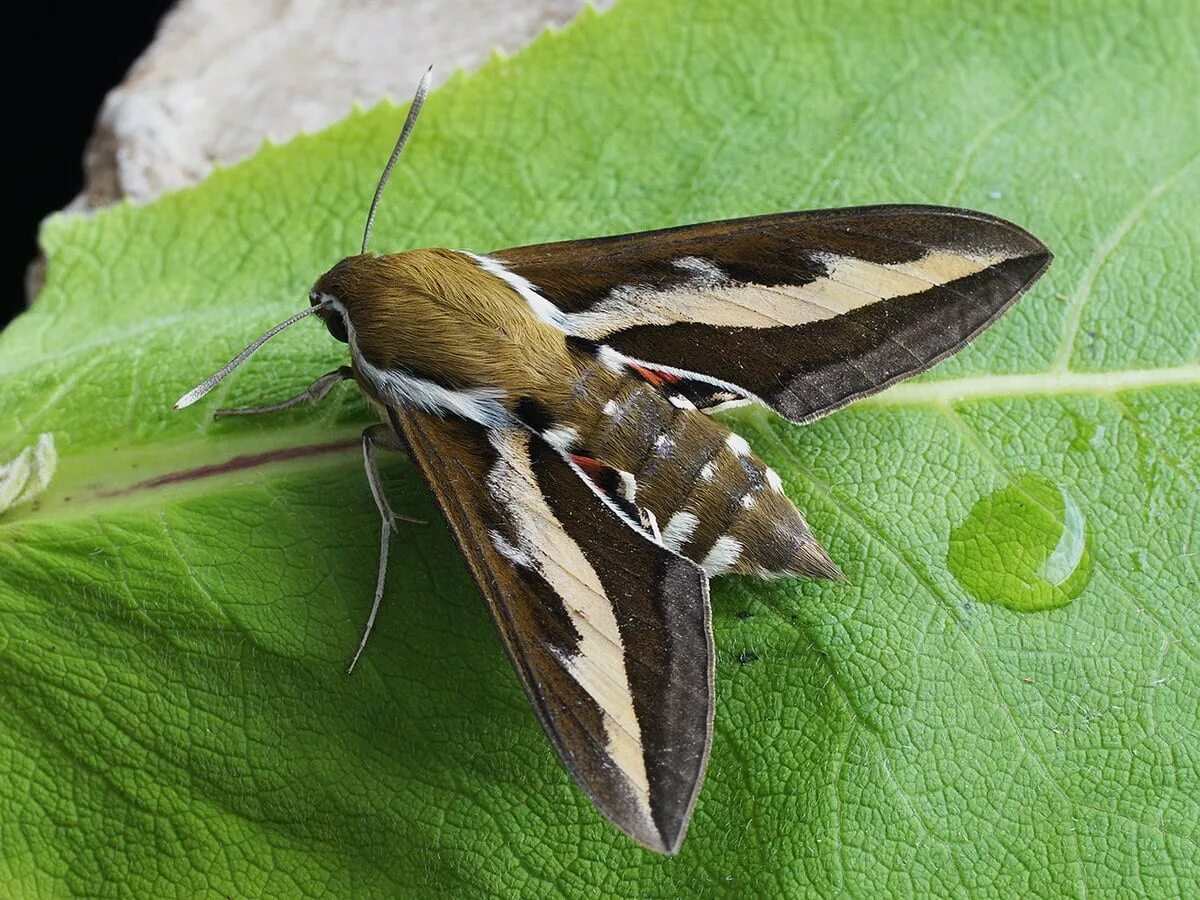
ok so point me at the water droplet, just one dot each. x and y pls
(1025, 546)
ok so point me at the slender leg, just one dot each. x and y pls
(314, 393)
(382, 436)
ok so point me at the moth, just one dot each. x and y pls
(557, 400)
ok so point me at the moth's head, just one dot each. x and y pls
(372, 298)
(336, 294)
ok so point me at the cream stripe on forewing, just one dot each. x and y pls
(598, 663)
(883, 281)
(713, 299)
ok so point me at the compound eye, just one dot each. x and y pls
(337, 326)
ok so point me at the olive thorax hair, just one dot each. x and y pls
(435, 314)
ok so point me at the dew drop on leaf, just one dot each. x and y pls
(1025, 546)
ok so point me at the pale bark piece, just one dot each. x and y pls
(223, 75)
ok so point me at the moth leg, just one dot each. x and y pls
(379, 436)
(382, 436)
(314, 393)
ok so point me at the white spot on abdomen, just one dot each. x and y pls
(722, 555)
(679, 529)
(737, 444)
(774, 481)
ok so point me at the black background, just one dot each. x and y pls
(68, 56)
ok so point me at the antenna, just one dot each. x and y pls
(213, 380)
(413, 111)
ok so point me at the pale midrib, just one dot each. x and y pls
(115, 478)
(125, 477)
(1036, 384)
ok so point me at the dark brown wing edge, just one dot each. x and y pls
(806, 371)
(666, 630)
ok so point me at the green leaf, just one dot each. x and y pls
(178, 603)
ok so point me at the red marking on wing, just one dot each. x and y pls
(602, 475)
(654, 376)
(592, 468)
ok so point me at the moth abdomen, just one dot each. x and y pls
(743, 521)
(712, 499)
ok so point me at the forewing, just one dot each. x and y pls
(608, 631)
(802, 311)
